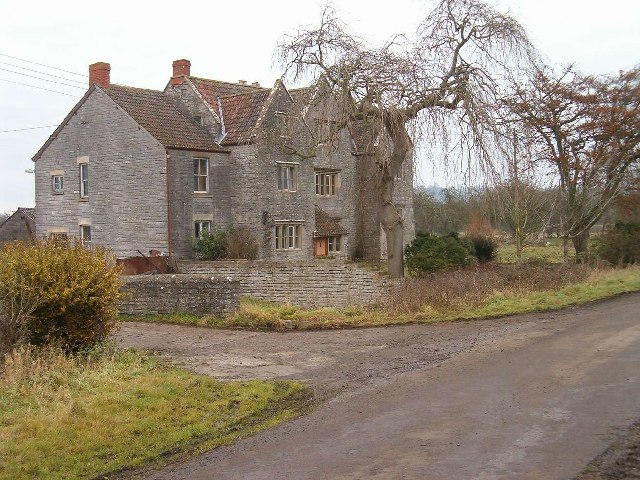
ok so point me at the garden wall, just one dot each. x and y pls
(194, 293)
(305, 283)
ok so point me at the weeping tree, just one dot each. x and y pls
(588, 131)
(448, 75)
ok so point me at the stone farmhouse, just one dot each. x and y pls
(145, 171)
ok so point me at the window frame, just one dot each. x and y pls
(327, 183)
(84, 228)
(288, 182)
(199, 227)
(334, 243)
(197, 176)
(288, 236)
(60, 188)
(84, 180)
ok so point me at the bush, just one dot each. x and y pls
(241, 244)
(430, 253)
(484, 248)
(57, 293)
(231, 243)
(621, 245)
(211, 245)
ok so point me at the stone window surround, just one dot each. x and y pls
(57, 181)
(288, 235)
(287, 182)
(327, 181)
(83, 167)
(198, 175)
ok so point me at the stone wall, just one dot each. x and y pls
(197, 294)
(323, 283)
(17, 227)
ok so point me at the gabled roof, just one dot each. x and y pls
(155, 112)
(241, 104)
(327, 225)
(212, 89)
(241, 114)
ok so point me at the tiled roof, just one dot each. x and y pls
(212, 89)
(240, 114)
(241, 106)
(327, 225)
(155, 112)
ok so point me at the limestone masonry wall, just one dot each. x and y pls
(198, 294)
(305, 283)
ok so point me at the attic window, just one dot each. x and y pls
(198, 119)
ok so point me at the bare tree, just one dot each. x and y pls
(448, 74)
(588, 130)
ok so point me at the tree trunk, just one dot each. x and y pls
(390, 217)
(581, 245)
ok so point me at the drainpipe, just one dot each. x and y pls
(169, 206)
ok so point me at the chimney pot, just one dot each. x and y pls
(181, 68)
(100, 74)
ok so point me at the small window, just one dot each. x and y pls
(327, 183)
(288, 236)
(198, 119)
(201, 175)
(287, 177)
(335, 243)
(85, 234)
(202, 226)
(84, 180)
(57, 182)
(58, 237)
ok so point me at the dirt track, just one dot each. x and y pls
(534, 396)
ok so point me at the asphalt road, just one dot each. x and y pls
(534, 396)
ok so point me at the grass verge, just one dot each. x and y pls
(494, 292)
(106, 413)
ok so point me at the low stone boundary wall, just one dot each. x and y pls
(311, 284)
(198, 294)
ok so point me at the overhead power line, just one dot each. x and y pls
(42, 79)
(39, 88)
(27, 128)
(42, 73)
(42, 65)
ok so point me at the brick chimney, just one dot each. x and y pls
(100, 74)
(181, 68)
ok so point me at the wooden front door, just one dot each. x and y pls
(321, 247)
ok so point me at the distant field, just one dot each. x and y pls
(552, 253)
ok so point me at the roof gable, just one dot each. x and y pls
(155, 112)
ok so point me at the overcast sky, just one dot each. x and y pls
(232, 41)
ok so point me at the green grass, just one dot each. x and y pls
(600, 285)
(64, 418)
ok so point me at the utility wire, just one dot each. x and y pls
(42, 79)
(39, 88)
(28, 128)
(42, 65)
(42, 73)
